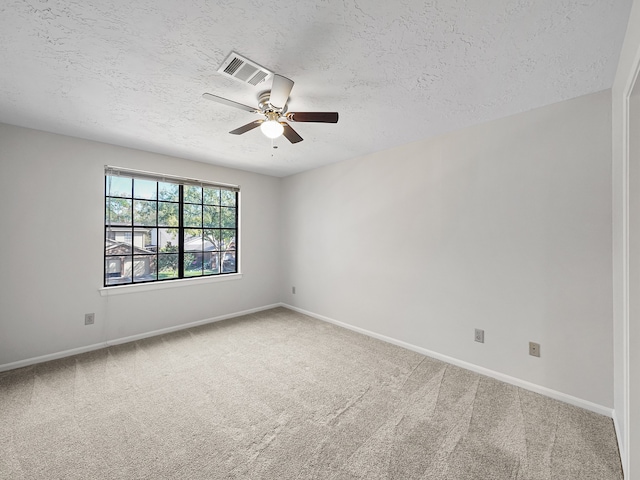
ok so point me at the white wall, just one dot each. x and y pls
(505, 226)
(626, 249)
(51, 215)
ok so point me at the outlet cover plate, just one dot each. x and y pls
(89, 318)
(534, 349)
(479, 335)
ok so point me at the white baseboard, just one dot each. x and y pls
(563, 397)
(118, 341)
(623, 458)
(162, 331)
(51, 356)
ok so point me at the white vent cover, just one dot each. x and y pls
(244, 70)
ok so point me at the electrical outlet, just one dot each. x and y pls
(293, 290)
(479, 336)
(89, 318)
(534, 349)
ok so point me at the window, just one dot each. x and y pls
(160, 227)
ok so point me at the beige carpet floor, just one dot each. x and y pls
(278, 395)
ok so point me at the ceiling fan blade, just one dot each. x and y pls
(323, 117)
(280, 90)
(290, 133)
(246, 128)
(229, 103)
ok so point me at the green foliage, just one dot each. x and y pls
(168, 263)
(144, 212)
(211, 196)
(168, 214)
(192, 194)
(118, 211)
(168, 192)
(228, 198)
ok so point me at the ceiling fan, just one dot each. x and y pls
(273, 105)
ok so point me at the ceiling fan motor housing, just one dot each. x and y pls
(265, 106)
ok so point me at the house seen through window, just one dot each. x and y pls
(164, 228)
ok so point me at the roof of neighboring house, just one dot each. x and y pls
(193, 242)
(113, 247)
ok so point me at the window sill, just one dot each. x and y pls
(183, 282)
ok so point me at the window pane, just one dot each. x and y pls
(117, 270)
(119, 187)
(118, 240)
(168, 241)
(118, 212)
(167, 266)
(144, 212)
(228, 217)
(144, 268)
(192, 215)
(168, 214)
(192, 241)
(211, 216)
(228, 263)
(228, 198)
(148, 223)
(192, 194)
(211, 196)
(144, 239)
(228, 240)
(146, 189)
(168, 191)
(210, 263)
(211, 239)
(192, 264)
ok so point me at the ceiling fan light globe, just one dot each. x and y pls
(271, 129)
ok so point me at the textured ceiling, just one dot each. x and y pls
(132, 72)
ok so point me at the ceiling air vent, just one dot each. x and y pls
(244, 70)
